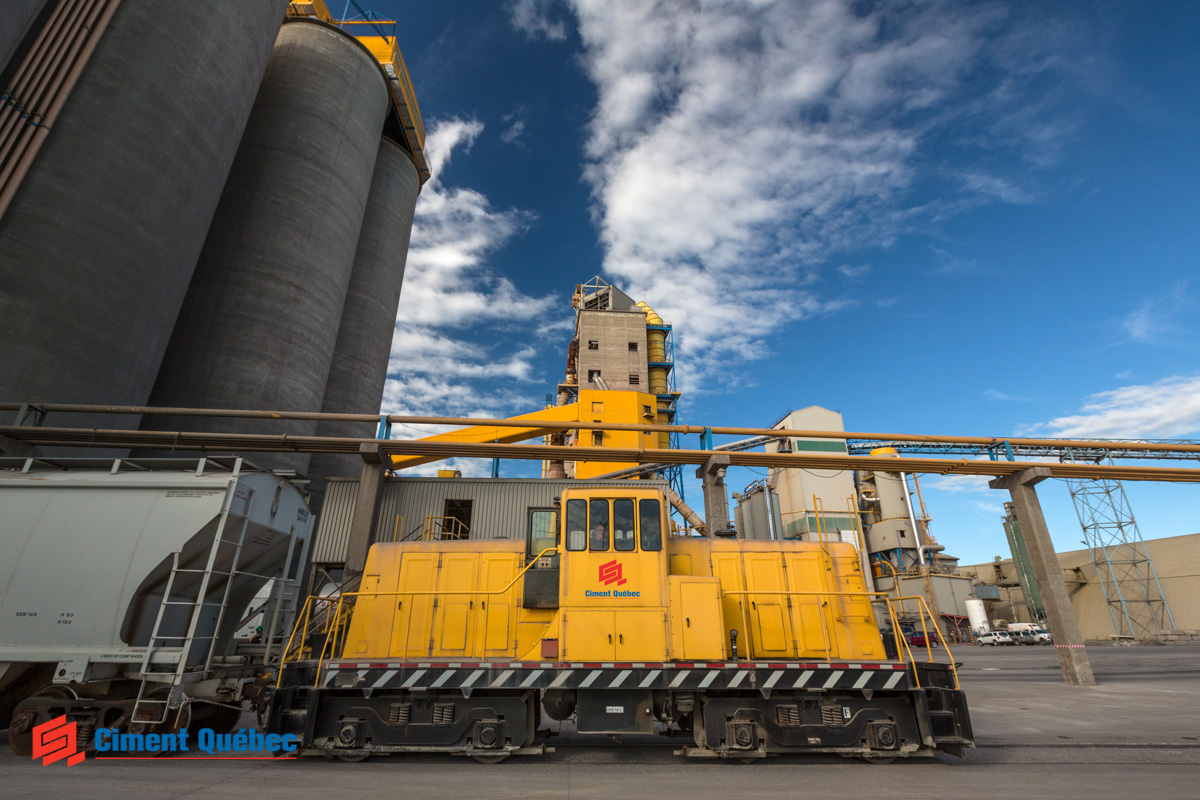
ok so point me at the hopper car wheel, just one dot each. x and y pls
(878, 759)
(20, 733)
(746, 760)
(352, 758)
(490, 758)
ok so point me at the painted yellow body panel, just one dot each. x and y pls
(654, 599)
(632, 408)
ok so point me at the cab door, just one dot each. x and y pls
(612, 585)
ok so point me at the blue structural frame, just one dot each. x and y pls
(674, 473)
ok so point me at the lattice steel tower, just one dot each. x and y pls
(1131, 587)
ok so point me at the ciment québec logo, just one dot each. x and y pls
(55, 740)
(611, 573)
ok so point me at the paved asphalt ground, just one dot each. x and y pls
(1135, 735)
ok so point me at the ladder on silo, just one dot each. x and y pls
(172, 680)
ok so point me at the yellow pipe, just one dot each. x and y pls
(656, 352)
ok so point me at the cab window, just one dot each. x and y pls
(650, 512)
(577, 524)
(623, 535)
(598, 525)
(543, 525)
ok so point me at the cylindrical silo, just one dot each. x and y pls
(258, 327)
(15, 18)
(364, 342)
(99, 243)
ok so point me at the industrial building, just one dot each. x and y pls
(229, 237)
(1175, 559)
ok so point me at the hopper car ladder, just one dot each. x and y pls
(153, 680)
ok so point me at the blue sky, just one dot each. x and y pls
(934, 217)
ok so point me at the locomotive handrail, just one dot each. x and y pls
(336, 623)
(335, 630)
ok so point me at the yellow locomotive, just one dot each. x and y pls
(597, 615)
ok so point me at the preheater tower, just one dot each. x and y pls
(260, 322)
(98, 243)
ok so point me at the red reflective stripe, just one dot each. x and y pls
(377, 666)
(684, 665)
(654, 666)
(590, 666)
(776, 666)
(715, 666)
(623, 666)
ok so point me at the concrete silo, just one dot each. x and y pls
(260, 321)
(359, 369)
(98, 244)
(15, 18)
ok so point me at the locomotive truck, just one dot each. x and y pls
(745, 649)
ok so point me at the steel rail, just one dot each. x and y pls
(274, 443)
(1165, 446)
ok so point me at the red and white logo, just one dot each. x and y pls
(611, 573)
(54, 741)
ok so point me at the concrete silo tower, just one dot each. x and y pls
(121, 124)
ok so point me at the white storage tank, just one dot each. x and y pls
(977, 615)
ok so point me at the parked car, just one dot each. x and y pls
(994, 638)
(914, 638)
(918, 639)
(1030, 635)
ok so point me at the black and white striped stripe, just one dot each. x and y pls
(691, 676)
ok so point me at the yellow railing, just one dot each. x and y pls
(337, 627)
(437, 528)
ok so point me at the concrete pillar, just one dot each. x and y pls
(1068, 641)
(366, 509)
(716, 496)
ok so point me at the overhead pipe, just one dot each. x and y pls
(159, 440)
(688, 513)
(399, 419)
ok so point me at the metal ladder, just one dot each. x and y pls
(173, 680)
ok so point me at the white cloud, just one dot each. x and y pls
(1155, 319)
(447, 357)
(957, 484)
(533, 18)
(996, 394)
(854, 273)
(736, 145)
(1166, 409)
(513, 133)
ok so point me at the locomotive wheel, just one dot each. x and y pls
(878, 759)
(20, 732)
(352, 758)
(491, 758)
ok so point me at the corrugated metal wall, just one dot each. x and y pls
(498, 509)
